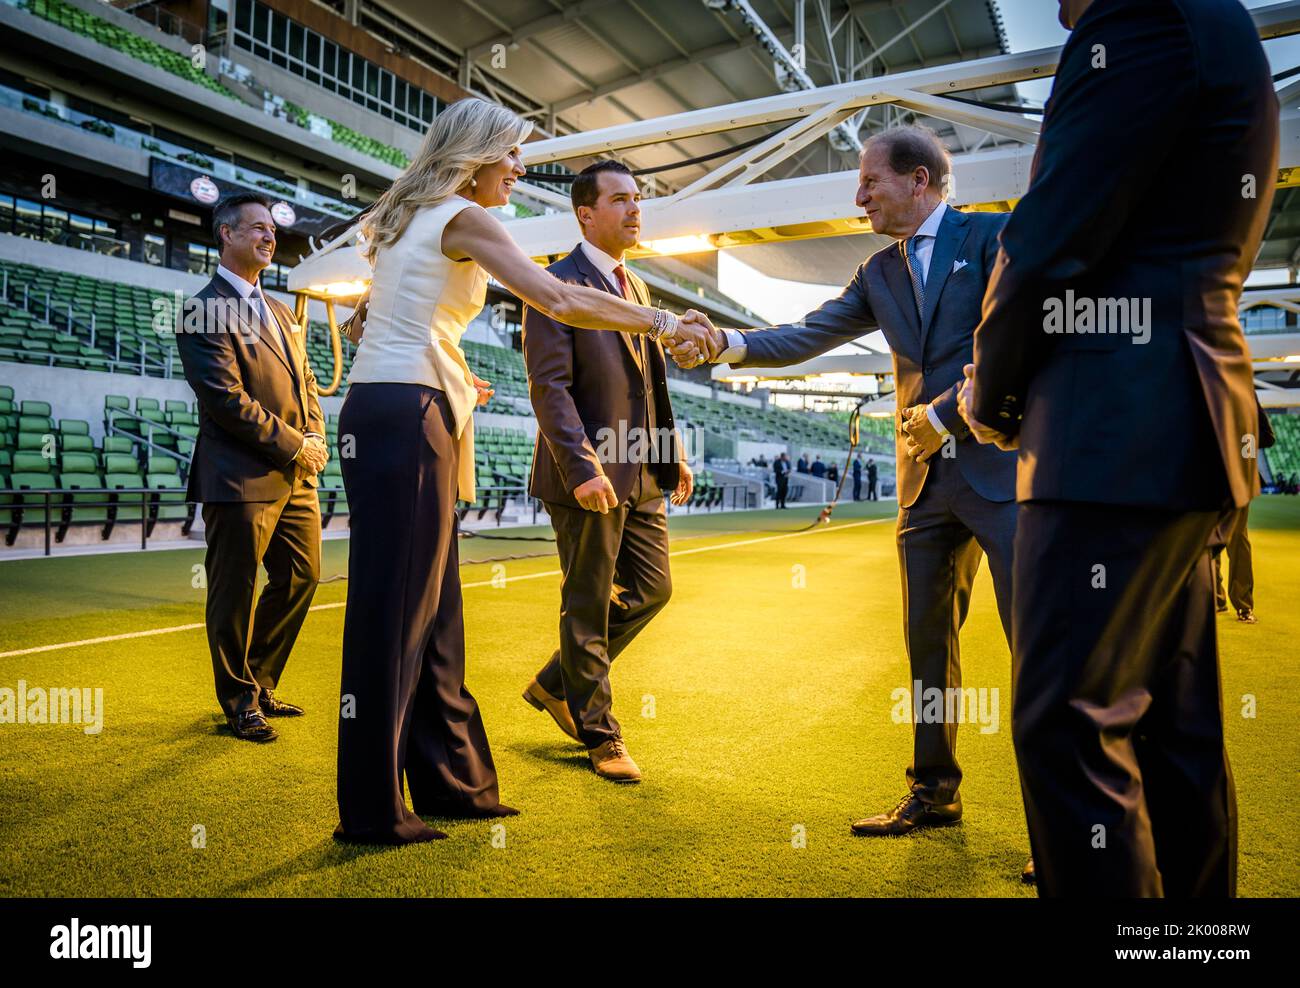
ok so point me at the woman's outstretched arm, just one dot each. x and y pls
(476, 234)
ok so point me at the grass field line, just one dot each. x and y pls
(150, 632)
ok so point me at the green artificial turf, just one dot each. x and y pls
(769, 678)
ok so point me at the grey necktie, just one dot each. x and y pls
(908, 247)
(270, 322)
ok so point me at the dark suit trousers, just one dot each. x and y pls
(782, 489)
(250, 646)
(941, 538)
(628, 549)
(404, 634)
(1117, 715)
(1241, 571)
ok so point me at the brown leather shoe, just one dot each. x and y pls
(553, 705)
(611, 761)
(910, 814)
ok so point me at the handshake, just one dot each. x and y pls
(694, 340)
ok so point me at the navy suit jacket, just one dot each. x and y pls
(1152, 181)
(929, 352)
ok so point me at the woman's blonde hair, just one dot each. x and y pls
(464, 137)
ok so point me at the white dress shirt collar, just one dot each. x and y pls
(930, 228)
(245, 288)
(603, 262)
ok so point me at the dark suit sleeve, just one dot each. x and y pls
(1267, 437)
(837, 321)
(548, 357)
(213, 372)
(1108, 136)
(945, 405)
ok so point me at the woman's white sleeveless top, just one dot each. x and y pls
(421, 302)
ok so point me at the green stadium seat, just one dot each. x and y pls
(74, 427)
(35, 423)
(6, 392)
(143, 405)
(117, 402)
(40, 408)
(171, 505)
(173, 405)
(76, 444)
(121, 463)
(117, 444)
(79, 463)
(27, 462)
(37, 441)
(160, 465)
(82, 508)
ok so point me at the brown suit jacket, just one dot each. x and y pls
(255, 403)
(589, 393)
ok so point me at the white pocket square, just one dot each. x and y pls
(958, 265)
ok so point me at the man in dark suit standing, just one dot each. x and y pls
(1110, 351)
(873, 474)
(857, 478)
(1232, 539)
(597, 395)
(956, 498)
(261, 444)
(781, 471)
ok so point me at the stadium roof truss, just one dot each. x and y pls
(727, 207)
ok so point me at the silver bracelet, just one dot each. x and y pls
(665, 324)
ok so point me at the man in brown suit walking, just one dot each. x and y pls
(261, 444)
(606, 453)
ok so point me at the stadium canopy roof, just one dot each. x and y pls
(582, 65)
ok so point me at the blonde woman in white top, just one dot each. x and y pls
(408, 419)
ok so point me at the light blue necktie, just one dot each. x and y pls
(913, 262)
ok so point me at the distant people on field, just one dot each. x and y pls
(857, 478)
(1232, 535)
(802, 466)
(872, 473)
(833, 473)
(781, 473)
(818, 468)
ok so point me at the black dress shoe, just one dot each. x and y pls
(250, 725)
(910, 814)
(1246, 616)
(273, 706)
(1029, 876)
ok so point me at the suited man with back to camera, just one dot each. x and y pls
(1138, 429)
(956, 497)
(260, 447)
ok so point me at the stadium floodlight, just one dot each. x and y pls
(333, 273)
(689, 244)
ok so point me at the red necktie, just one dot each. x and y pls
(621, 275)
